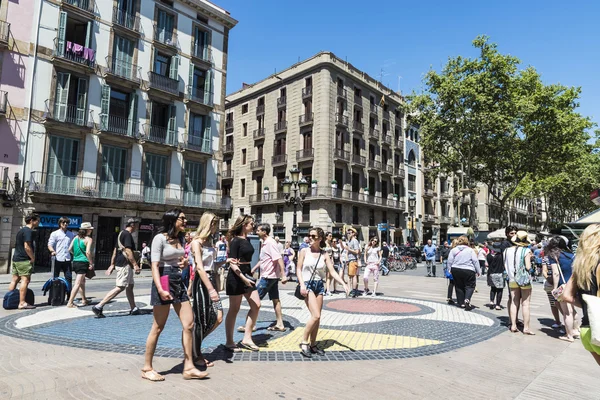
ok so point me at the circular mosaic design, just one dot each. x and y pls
(351, 329)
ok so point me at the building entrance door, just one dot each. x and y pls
(105, 240)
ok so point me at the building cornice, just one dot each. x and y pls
(212, 11)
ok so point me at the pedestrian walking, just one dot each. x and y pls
(23, 260)
(288, 259)
(464, 266)
(585, 280)
(336, 257)
(353, 248)
(168, 259)
(444, 254)
(81, 247)
(517, 263)
(372, 261)
(240, 283)
(329, 252)
(124, 262)
(385, 254)
(560, 259)
(312, 263)
(58, 245)
(429, 251)
(221, 258)
(207, 308)
(145, 255)
(548, 273)
(482, 257)
(496, 278)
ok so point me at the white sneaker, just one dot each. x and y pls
(373, 294)
(365, 293)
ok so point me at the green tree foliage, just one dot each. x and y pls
(499, 124)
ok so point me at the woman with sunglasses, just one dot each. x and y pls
(240, 283)
(372, 261)
(168, 259)
(312, 264)
(208, 311)
(336, 251)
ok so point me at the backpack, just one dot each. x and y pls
(522, 277)
(11, 299)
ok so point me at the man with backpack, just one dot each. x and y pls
(124, 262)
(24, 260)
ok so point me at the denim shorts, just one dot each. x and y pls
(316, 286)
(270, 286)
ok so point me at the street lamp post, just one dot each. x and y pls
(294, 191)
(412, 201)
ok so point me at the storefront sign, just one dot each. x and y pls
(51, 220)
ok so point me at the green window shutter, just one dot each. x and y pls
(205, 45)
(193, 183)
(174, 73)
(172, 126)
(197, 40)
(104, 107)
(62, 29)
(207, 139)
(113, 172)
(63, 80)
(191, 80)
(89, 35)
(82, 88)
(62, 165)
(155, 178)
(133, 105)
(208, 87)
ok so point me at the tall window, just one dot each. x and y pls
(411, 158)
(243, 156)
(70, 99)
(193, 183)
(155, 179)
(307, 140)
(62, 164)
(112, 176)
(123, 57)
(245, 128)
(242, 188)
(165, 25)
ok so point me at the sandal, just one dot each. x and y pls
(566, 339)
(27, 307)
(514, 330)
(251, 347)
(528, 333)
(232, 348)
(152, 376)
(315, 350)
(71, 305)
(305, 350)
(194, 374)
(203, 362)
(276, 329)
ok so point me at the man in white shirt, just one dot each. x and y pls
(58, 245)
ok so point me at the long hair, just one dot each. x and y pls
(169, 220)
(555, 245)
(587, 257)
(321, 236)
(204, 231)
(238, 226)
(82, 233)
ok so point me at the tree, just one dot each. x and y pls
(496, 123)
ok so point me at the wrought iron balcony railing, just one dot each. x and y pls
(164, 83)
(280, 126)
(202, 53)
(199, 96)
(160, 134)
(125, 19)
(305, 119)
(85, 5)
(123, 69)
(119, 125)
(305, 154)
(166, 37)
(341, 154)
(74, 52)
(69, 113)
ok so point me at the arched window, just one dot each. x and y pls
(411, 158)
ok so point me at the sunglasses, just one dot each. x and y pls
(182, 218)
(313, 237)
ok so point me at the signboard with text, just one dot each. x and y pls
(51, 220)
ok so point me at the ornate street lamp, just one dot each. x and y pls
(294, 191)
(412, 202)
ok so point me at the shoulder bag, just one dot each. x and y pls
(522, 277)
(298, 292)
(557, 293)
(593, 311)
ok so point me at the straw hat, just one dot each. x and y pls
(86, 225)
(521, 238)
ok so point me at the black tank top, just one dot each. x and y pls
(592, 292)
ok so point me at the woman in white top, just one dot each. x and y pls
(372, 261)
(312, 264)
(329, 251)
(208, 312)
(516, 259)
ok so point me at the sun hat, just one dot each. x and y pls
(86, 225)
(521, 238)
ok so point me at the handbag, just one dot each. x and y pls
(298, 292)
(593, 311)
(522, 277)
(557, 293)
(90, 273)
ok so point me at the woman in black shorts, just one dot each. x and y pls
(168, 259)
(240, 283)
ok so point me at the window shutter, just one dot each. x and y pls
(172, 126)
(191, 80)
(81, 117)
(133, 105)
(174, 73)
(62, 94)
(104, 107)
(89, 35)
(62, 29)
(208, 87)
(207, 139)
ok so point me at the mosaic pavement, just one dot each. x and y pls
(351, 329)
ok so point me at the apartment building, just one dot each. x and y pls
(342, 129)
(126, 99)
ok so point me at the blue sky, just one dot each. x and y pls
(560, 39)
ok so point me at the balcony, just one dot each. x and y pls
(199, 96)
(307, 92)
(428, 218)
(358, 100)
(358, 126)
(373, 133)
(227, 174)
(279, 160)
(260, 109)
(280, 127)
(118, 125)
(257, 165)
(341, 92)
(373, 108)
(86, 7)
(228, 124)
(73, 54)
(400, 172)
(358, 159)
(163, 83)
(388, 169)
(4, 34)
(68, 114)
(202, 54)
(327, 192)
(125, 20)
(399, 144)
(428, 192)
(266, 197)
(281, 101)
(167, 38)
(305, 155)
(342, 155)
(398, 121)
(3, 102)
(341, 120)
(445, 195)
(259, 133)
(387, 139)
(228, 148)
(375, 164)
(122, 69)
(305, 120)
(199, 141)
(160, 135)
(444, 219)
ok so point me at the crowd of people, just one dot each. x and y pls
(187, 275)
